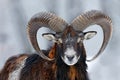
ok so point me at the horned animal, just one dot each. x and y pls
(66, 59)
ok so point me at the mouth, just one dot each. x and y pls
(71, 60)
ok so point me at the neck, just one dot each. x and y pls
(76, 72)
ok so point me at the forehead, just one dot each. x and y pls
(69, 32)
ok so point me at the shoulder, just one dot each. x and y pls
(13, 67)
(13, 62)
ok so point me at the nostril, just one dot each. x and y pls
(70, 57)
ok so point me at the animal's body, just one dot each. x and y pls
(36, 68)
(66, 60)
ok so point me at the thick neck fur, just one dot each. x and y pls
(36, 68)
(75, 72)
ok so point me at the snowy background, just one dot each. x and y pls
(14, 15)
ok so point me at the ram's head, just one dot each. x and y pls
(69, 37)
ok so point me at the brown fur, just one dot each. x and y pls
(70, 30)
(11, 65)
(52, 52)
(39, 69)
(72, 73)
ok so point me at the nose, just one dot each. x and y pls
(70, 58)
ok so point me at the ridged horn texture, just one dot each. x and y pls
(94, 17)
(44, 19)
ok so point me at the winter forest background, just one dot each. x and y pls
(14, 15)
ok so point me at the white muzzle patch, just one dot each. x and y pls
(70, 56)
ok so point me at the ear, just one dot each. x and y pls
(90, 34)
(49, 36)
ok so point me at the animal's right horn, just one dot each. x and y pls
(44, 19)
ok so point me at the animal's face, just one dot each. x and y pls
(69, 43)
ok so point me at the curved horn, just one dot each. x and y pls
(94, 17)
(44, 19)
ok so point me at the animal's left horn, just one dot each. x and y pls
(94, 17)
(44, 19)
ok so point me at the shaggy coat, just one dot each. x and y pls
(33, 67)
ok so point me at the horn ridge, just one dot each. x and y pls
(94, 17)
(43, 19)
(84, 20)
